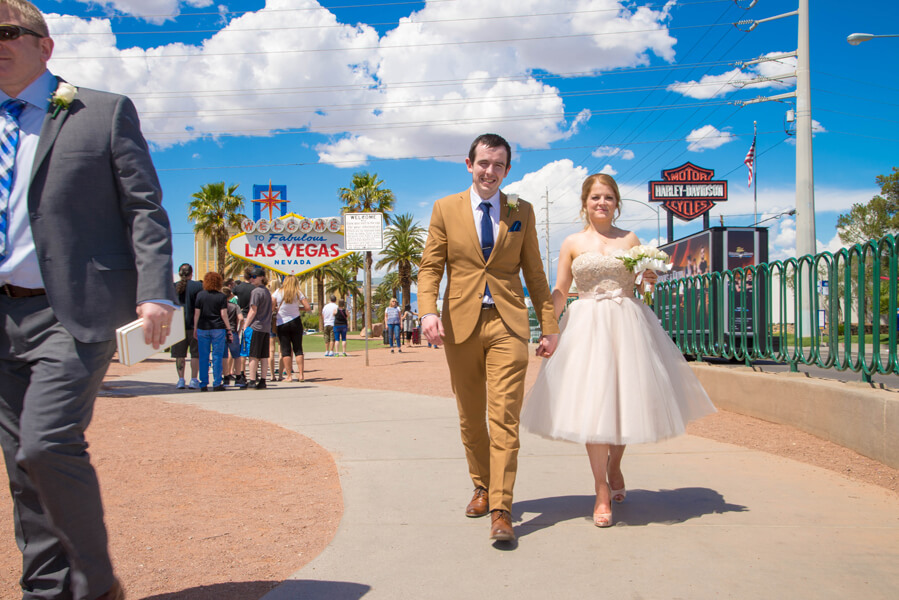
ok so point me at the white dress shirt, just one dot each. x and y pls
(477, 213)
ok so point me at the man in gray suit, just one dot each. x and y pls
(84, 241)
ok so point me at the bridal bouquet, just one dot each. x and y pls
(640, 259)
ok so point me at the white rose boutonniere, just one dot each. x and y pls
(62, 97)
(512, 203)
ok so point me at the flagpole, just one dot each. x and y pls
(755, 174)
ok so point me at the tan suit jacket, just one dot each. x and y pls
(453, 246)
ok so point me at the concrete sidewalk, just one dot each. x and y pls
(701, 520)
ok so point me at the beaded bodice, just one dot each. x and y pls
(598, 273)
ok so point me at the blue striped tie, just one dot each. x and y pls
(9, 142)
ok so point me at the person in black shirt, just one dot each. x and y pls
(212, 328)
(186, 291)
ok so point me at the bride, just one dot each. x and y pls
(615, 378)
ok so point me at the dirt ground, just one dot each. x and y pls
(203, 506)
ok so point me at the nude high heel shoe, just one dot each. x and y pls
(603, 519)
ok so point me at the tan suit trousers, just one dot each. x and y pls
(487, 372)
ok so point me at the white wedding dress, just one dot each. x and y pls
(615, 377)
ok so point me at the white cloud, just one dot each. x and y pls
(609, 170)
(713, 86)
(612, 151)
(375, 96)
(817, 127)
(562, 179)
(832, 246)
(782, 239)
(154, 11)
(708, 137)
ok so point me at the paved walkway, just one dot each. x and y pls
(702, 519)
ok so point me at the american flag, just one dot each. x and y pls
(749, 161)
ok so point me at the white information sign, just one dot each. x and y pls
(363, 231)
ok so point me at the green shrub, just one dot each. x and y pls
(310, 321)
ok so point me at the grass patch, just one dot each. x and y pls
(315, 342)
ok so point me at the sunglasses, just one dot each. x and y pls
(9, 33)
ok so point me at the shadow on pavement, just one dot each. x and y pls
(247, 590)
(642, 507)
(126, 388)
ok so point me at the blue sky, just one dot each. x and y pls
(306, 93)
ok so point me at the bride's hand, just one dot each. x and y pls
(650, 277)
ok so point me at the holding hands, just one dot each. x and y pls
(547, 345)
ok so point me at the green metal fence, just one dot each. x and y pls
(832, 310)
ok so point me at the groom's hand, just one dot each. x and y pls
(547, 345)
(432, 328)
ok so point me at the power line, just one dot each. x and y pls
(406, 124)
(380, 47)
(329, 9)
(458, 155)
(341, 25)
(386, 105)
(381, 85)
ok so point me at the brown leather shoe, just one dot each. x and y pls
(116, 592)
(501, 526)
(478, 505)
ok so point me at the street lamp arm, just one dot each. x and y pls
(857, 38)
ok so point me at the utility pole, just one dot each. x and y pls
(805, 182)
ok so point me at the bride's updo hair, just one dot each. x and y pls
(588, 187)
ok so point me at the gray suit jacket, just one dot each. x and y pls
(102, 237)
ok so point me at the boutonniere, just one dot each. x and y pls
(62, 97)
(511, 203)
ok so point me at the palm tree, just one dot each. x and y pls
(235, 266)
(366, 195)
(213, 210)
(405, 244)
(343, 282)
(391, 282)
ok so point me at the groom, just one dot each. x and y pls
(484, 243)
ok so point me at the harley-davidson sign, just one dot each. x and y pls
(688, 191)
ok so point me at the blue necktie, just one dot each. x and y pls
(486, 236)
(9, 142)
(486, 230)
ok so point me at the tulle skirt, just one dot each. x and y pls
(615, 378)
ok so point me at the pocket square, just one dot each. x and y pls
(516, 226)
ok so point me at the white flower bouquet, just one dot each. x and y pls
(640, 259)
